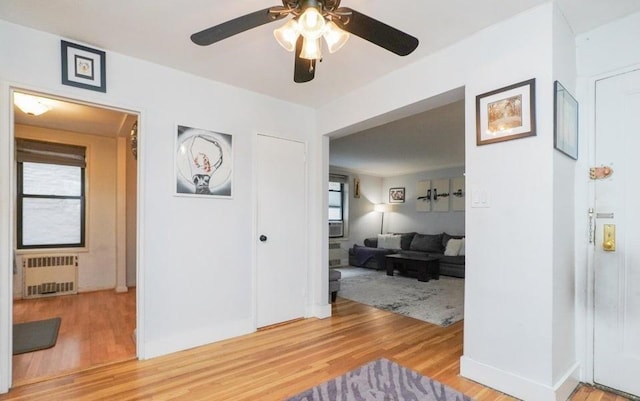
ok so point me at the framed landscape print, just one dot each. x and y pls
(506, 113)
(203, 163)
(565, 122)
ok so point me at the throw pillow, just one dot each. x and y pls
(461, 253)
(427, 243)
(389, 241)
(405, 240)
(446, 237)
(453, 247)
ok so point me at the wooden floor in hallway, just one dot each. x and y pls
(96, 329)
(281, 361)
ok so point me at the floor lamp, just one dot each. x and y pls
(382, 208)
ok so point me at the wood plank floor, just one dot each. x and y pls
(96, 328)
(281, 361)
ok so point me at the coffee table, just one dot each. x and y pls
(426, 267)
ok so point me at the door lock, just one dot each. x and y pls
(609, 238)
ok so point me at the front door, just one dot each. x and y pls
(281, 243)
(617, 239)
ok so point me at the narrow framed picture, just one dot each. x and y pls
(83, 67)
(203, 163)
(396, 195)
(506, 113)
(565, 122)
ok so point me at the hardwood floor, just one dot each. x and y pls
(281, 361)
(97, 328)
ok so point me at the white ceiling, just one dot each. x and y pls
(159, 31)
(76, 117)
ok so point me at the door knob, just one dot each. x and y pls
(263, 238)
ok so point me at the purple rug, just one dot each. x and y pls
(381, 380)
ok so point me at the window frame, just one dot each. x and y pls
(20, 196)
(342, 200)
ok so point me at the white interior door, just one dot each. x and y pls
(281, 243)
(617, 273)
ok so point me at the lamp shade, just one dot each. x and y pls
(287, 35)
(311, 49)
(382, 207)
(311, 23)
(335, 37)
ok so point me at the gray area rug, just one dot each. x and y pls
(34, 336)
(381, 380)
(439, 302)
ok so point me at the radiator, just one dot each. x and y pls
(48, 275)
(335, 255)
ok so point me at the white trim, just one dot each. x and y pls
(518, 386)
(7, 228)
(195, 338)
(6, 236)
(121, 214)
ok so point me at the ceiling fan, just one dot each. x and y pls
(313, 20)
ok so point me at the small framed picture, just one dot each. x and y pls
(565, 122)
(83, 67)
(203, 163)
(396, 195)
(506, 113)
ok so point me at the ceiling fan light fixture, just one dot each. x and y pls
(287, 35)
(335, 37)
(32, 105)
(311, 49)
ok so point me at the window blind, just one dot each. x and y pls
(338, 178)
(28, 150)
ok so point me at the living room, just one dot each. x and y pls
(417, 155)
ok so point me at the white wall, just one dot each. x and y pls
(602, 52)
(131, 219)
(97, 269)
(564, 177)
(509, 297)
(405, 218)
(195, 254)
(363, 221)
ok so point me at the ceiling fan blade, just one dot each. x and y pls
(235, 26)
(304, 70)
(378, 33)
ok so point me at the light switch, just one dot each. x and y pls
(480, 197)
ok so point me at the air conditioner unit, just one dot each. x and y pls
(336, 229)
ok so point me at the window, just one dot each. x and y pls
(336, 200)
(338, 205)
(51, 195)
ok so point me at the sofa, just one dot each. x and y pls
(334, 284)
(435, 245)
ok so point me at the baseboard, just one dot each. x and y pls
(518, 386)
(319, 311)
(122, 289)
(196, 338)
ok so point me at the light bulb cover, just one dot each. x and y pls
(311, 23)
(287, 35)
(31, 105)
(311, 49)
(335, 37)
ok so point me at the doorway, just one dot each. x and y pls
(89, 215)
(617, 233)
